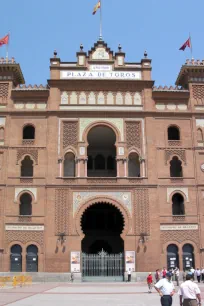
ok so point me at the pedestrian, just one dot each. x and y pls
(166, 290)
(150, 282)
(202, 274)
(192, 270)
(164, 271)
(189, 292)
(198, 274)
(157, 275)
(129, 275)
(177, 274)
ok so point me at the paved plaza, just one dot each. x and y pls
(82, 294)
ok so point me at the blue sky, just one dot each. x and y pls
(158, 26)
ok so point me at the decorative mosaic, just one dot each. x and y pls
(123, 197)
(85, 122)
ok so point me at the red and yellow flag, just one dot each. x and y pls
(96, 7)
(4, 40)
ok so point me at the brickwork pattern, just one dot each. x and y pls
(32, 152)
(141, 211)
(171, 152)
(198, 93)
(70, 134)
(180, 236)
(4, 87)
(61, 211)
(133, 134)
(25, 237)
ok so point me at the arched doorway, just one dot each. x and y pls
(102, 246)
(32, 259)
(172, 256)
(188, 257)
(101, 152)
(16, 258)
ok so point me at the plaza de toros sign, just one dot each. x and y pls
(102, 75)
(178, 227)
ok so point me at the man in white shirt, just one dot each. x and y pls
(198, 274)
(166, 290)
(189, 292)
(193, 272)
(177, 273)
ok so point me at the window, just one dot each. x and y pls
(26, 205)
(176, 167)
(178, 204)
(28, 132)
(27, 167)
(133, 165)
(90, 163)
(111, 163)
(173, 133)
(69, 165)
(199, 135)
(1, 133)
(100, 163)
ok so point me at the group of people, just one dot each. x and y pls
(189, 292)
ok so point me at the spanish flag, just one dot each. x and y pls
(97, 6)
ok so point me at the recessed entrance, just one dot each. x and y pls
(102, 246)
(102, 225)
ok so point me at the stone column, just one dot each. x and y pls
(60, 160)
(142, 165)
(85, 165)
(24, 261)
(125, 167)
(120, 166)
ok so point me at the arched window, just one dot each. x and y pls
(199, 135)
(69, 165)
(133, 165)
(32, 259)
(188, 257)
(16, 258)
(111, 163)
(178, 204)
(27, 167)
(173, 133)
(29, 132)
(100, 163)
(90, 163)
(176, 167)
(1, 133)
(26, 205)
(172, 256)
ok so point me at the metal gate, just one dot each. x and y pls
(102, 267)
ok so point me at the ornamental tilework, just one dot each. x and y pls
(85, 122)
(69, 134)
(61, 211)
(25, 237)
(141, 212)
(123, 197)
(180, 236)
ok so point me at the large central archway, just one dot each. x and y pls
(102, 225)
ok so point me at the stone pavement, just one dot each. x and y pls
(83, 294)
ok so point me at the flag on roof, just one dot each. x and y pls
(186, 44)
(4, 40)
(96, 7)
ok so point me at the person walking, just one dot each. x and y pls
(164, 271)
(202, 272)
(157, 275)
(198, 274)
(177, 274)
(166, 290)
(150, 282)
(129, 275)
(189, 292)
(192, 270)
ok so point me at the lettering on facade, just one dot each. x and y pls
(24, 227)
(115, 75)
(178, 227)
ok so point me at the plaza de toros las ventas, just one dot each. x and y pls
(101, 160)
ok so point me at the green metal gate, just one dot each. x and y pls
(103, 267)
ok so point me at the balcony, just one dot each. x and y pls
(174, 143)
(28, 142)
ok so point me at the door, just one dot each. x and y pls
(32, 259)
(16, 258)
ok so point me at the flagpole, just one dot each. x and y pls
(191, 46)
(101, 36)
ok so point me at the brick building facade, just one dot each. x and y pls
(101, 159)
